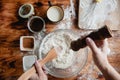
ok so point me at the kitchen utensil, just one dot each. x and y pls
(100, 34)
(51, 55)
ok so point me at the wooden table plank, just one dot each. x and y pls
(12, 27)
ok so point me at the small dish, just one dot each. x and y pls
(36, 24)
(28, 61)
(58, 16)
(26, 10)
(27, 43)
(55, 13)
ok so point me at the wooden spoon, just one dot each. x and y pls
(51, 55)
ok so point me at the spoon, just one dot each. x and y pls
(51, 55)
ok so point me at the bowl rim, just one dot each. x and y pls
(55, 75)
(75, 73)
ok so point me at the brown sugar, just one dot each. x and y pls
(28, 43)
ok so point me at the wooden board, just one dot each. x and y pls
(113, 19)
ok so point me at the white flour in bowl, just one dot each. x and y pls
(61, 42)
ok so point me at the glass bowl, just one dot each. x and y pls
(78, 61)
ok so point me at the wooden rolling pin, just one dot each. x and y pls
(51, 55)
(100, 34)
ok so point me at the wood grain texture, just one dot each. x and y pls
(12, 27)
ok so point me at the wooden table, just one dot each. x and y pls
(12, 27)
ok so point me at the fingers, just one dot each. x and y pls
(92, 45)
(106, 48)
(99, 43)
(39, 68)
(34, 77)
(105, 43)
(44, 70)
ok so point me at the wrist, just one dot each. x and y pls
(110, 73)
(104, 67)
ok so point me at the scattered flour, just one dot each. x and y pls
(69, 15)
(61, 43)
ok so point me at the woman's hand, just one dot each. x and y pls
(100, 50)
(40, 75)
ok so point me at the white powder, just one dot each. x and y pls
(66, 23)
(61, 42)
(69, 15)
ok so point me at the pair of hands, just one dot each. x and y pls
(99, 50)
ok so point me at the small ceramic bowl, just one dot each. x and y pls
(28, 61)
(55, 13)
(36, 24)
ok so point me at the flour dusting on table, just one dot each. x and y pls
(69, 14)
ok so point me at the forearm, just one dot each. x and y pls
(110, 73)
(100, 59)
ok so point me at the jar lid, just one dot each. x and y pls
(26, 10)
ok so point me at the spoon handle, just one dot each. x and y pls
(51, 55)
(27, 74)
